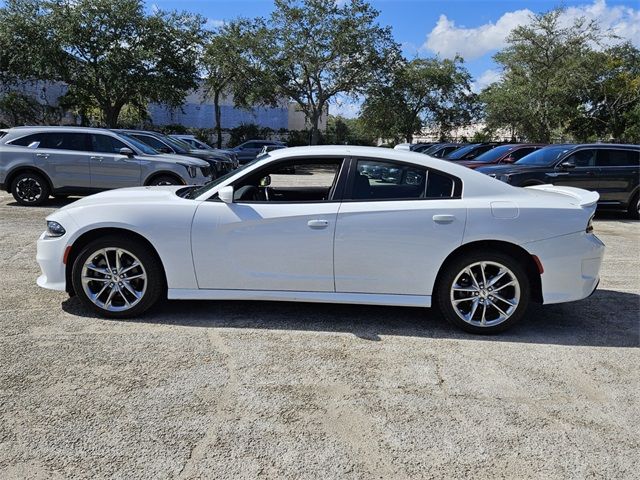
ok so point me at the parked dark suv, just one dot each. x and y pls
(611, 170)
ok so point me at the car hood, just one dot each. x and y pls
(512, 168)
(167, 157)
(128, 196)
(209, 155)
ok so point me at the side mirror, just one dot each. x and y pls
(226, 194)
(265, 181)
(567, 165)
(127, 152)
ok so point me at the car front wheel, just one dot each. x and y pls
(117, 277)
(484, 292)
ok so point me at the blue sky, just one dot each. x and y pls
(475, 29)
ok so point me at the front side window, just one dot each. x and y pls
(64, 141)
(377, 180)
(106, 144)
(582, 158)
(303, 180)
(618, 158)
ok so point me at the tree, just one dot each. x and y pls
(422, 92)
(19, 109)
(110, 54)
(233, 67)
(610, 95)
(319, 49)
(543, 68)
(348, 131)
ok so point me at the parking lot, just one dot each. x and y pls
(284, 390)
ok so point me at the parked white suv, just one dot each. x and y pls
(36, 162)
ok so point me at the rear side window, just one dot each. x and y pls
(65, 141)
(375, 180)
(28, 140)
(618, 158)
(106, 144)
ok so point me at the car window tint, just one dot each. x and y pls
(250, 145)
(151, 141)
(617, 158)
(26, 141)
(305, 175)
(377, 180)
(106, 144)
(583, 158)
(64, 141)
(521, 152)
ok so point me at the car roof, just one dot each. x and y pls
(46, 128)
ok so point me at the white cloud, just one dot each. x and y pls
(448, 39)
(485, 79)
(345, 107)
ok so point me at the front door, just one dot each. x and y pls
(278, 233)
(109, 168)
(583, 174)
(395, 227)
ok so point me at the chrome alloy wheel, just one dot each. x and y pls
(29, 189)
(114, 279)
(485, 294)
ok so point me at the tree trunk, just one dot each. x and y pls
(409, 137)
(111, 114)
(216, 108)
(315, 130)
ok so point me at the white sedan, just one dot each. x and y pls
(331, 224)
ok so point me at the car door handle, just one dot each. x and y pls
(42, 155)
(443, 218)
(97, 158)
(318, 224)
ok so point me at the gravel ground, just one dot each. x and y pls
(284, 390)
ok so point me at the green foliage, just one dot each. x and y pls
(348, 131)
(423, 92)
(110, 54)
(318, 49)
(20, 109)
(248, 131)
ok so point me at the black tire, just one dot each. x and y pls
(634, 207)
(165, 180)
(30, 189)
(155, 281)
(454, 270)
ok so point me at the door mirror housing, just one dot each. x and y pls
(127, 152)
(567, 165)
(226, 194)
(265, 181)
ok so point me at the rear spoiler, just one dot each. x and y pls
(585, 198)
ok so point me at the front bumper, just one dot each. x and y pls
(50, 257)
(571, 266)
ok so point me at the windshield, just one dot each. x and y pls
(461, 152)
(197, 191)
(544, 156)
(493, 154)
(143, 147)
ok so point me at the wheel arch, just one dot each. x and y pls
(519, 253)
(164, 173)
(91, 235)
(25, 169)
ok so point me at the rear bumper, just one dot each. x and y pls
(571, 266)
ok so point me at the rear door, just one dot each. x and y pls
(393, 235)
(65, 158)
(109, 168)
(619, 173)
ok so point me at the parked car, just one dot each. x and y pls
(510, 153)
(469, 152)
(611, 170)
(402, 146)
(196, 144)
(439, 150)
(36, 162)
(250, 149)
(446, 235)
(421, 147)
(219, 162)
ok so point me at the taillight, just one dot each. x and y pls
(590, 224)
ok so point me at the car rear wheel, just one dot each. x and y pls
(117, 277)
(484, 292)
(164, 180)
(30, 189)
(634, 207)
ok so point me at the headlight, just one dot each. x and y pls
(54, 229)
(193, 171)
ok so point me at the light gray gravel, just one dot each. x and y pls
(303, 391)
